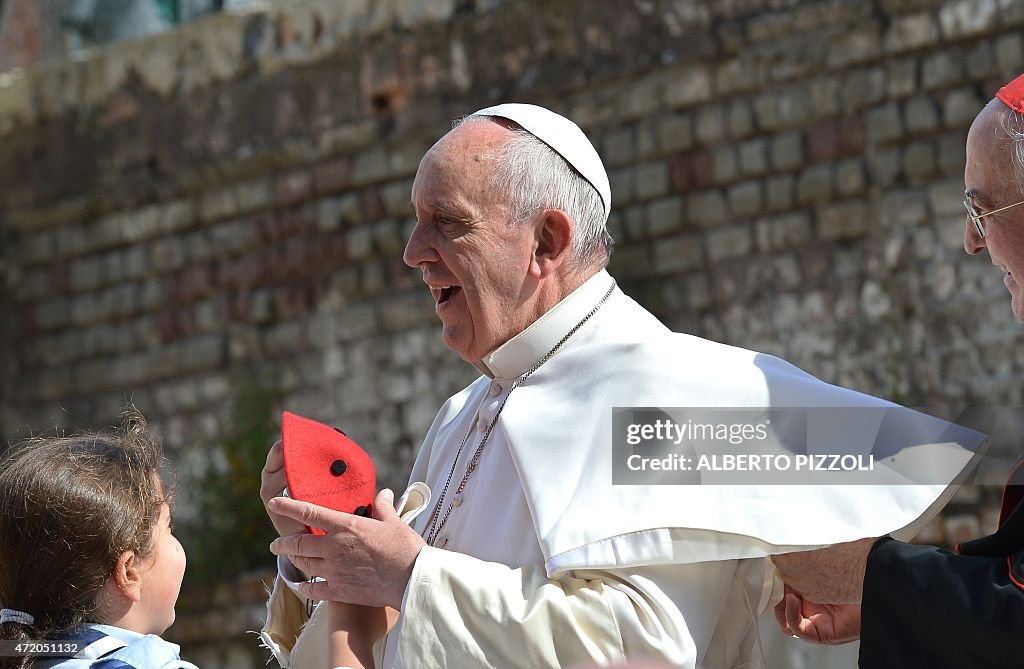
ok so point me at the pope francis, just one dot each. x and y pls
(525, 553)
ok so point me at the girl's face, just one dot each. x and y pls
(161, 573)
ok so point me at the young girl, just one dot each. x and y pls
(89, 569)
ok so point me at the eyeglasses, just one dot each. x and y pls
(975, 217)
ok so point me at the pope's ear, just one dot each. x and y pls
(553, 242)
(126, 576)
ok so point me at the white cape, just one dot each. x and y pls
(585, 522)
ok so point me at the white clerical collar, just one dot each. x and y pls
(521, 352)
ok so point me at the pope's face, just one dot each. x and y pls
(990, 183)
(473, 259)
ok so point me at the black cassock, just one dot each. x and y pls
(928, 607)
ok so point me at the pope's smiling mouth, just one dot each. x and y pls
(445, 294)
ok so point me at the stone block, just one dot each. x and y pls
(359, 242)
(407, 310)
(725, 164)
(387, 239)
(34, 285)
(960, 107)
(919, 160)
(53, 313)
(39, 247)
(921, 114)
(753, 157)
(845, 220)
(911, 32)
(875, 302)
(692, 171)
(825, 94)
(967, 18)
(255, 195)
(854, 47)
(735, 76)
(745, 199)
(233, 237)
(1009, 54)
(777, 233)
(731, 241)
(779, 192)
(153, 294)
(981, 62)
(710, 123)
(863, 88)
(622, 185)
(619, 147)
(176, 216)
(698, 292)
(942, 69)
(370, 166)
(85, 274)
(664, 215)
(850, 177)
(677, 254)
(787, 150)
(397, 198)
(952, 157)
(167, 254)
(901, 78)
(692, 87)
(814, 184)
(643, 97)
(706, 208)
(741, 119)
(217, 204)
(946, 198)
(674, 133)
(884, 123)
(332, 176)
(634, 222)
(71, 241)
(652, 180)
(903, 208)
(112, 267)
(885, 166)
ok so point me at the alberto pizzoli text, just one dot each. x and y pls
(745, 462)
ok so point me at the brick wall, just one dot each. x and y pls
(786, 176)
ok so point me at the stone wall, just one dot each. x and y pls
(234, 196)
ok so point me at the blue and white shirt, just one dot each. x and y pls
(108, 647)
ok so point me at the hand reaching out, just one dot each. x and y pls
(826, 624)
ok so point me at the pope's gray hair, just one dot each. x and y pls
(535, 177)
(1013, 124)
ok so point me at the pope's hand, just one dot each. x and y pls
(366, 561)
(828, 624)
(272, 483)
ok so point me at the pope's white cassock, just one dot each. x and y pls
(544, 563)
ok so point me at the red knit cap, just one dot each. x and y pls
(324, 467)
(1012, 94)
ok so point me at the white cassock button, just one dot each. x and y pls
(495, 389)
(443, 542)
(457, 500)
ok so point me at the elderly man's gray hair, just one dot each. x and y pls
(1013, 124)
(535, 178)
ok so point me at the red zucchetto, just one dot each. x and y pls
(1012, 94)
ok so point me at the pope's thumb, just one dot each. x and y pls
(384, 505)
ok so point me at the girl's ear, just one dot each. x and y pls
(126, 576)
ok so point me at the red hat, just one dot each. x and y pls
(324, 467)
(1013, 94)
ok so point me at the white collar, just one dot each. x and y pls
(521, 352)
